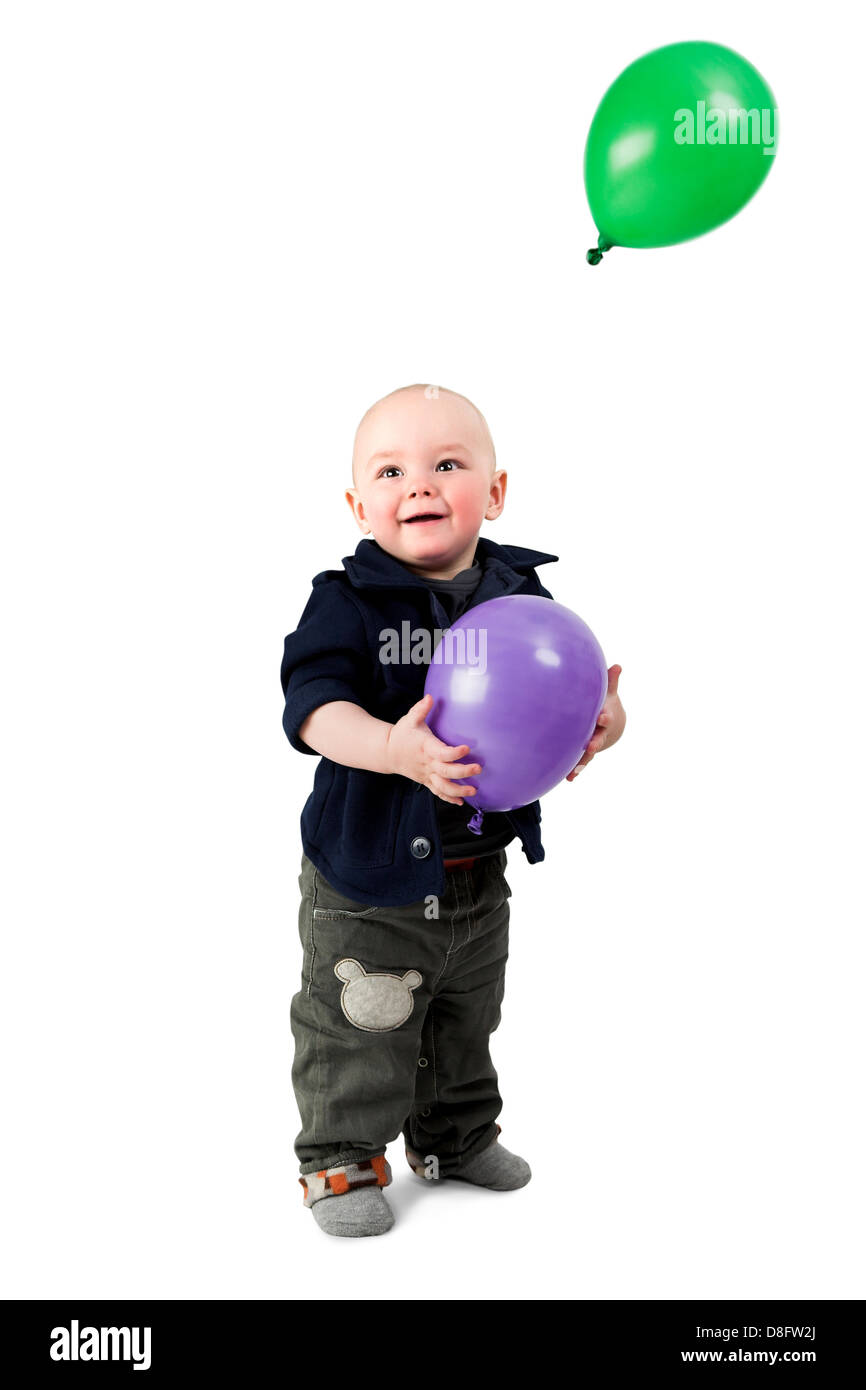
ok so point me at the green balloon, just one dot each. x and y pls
(680, 142)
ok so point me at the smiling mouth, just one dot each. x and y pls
(423, 516)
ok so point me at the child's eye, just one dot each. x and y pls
(392, 467)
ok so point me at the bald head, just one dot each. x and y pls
(405, 416)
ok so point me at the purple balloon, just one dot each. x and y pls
(522, 680)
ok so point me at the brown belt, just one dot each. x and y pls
(452, 864)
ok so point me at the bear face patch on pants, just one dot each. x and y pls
(375, 1003)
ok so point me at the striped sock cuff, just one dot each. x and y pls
(333, 1182)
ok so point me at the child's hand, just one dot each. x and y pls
(415, 752)
(611, 722)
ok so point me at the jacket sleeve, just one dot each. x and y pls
(324, 659)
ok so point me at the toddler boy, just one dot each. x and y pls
(404, 911)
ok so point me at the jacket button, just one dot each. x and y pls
(421, 847)
(422, 1062)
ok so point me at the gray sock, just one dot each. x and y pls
(361, 1212)
(495, 1167)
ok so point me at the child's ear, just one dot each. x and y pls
(356, 507)
(498, 485)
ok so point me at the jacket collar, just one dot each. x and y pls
(371, 567)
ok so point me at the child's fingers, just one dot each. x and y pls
(445, 791)
(448, 753)
(419, 711)
(464, 791)
(441, 783)
(458, 769)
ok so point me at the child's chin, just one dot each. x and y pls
(434, 539)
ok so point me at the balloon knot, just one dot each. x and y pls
(475, 823)
(594, 254)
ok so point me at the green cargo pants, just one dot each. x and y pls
(392, 1025)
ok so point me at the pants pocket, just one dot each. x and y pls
(506, 887)
(331, 906)
(331, 914)
(320, 905)
(501, 861)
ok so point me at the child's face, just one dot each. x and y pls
(440, 460)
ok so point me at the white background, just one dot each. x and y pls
(229, 228)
